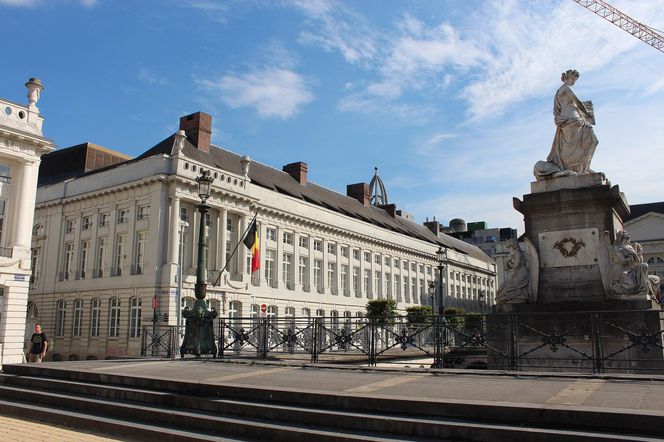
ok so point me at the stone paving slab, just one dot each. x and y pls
(20, 430)
(629, 392)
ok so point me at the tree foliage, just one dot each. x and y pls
(419, 314)
(382, 311)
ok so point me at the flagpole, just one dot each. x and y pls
(244, 235)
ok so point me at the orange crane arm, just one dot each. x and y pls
(624, 22)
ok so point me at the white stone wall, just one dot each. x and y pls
(21, 146)
(234, 201)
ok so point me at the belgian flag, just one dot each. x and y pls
(251, 241)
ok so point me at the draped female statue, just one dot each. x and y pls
(575, 141)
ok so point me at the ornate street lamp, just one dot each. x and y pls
(199, 330)
(441, 254)
(439, 323)
(481, 296)
(432, 293)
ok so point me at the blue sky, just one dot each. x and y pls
(450, 99)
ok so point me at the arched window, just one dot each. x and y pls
(78, 317)
(289, 316)
(320, 313)
(95, 314)
(347, 316)
(234, 312)
(135, 317)
(272, 312)
(113, 317)
(253, 311)
(334, 323)
(655, 260)
(306, 312)
(61, 314)
(33, 311)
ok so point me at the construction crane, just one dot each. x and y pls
(624, 22)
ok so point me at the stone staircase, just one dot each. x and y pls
(135, 408)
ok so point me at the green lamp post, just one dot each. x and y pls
(199, 329)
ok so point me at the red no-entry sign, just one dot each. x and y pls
(263, 308)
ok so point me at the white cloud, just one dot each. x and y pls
(146, 75)
(336, 28)
(272, 92)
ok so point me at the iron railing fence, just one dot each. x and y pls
(591, 342)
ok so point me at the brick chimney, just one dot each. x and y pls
(298, 171)
(434, 226)
(198, 128)
(391, 209)
(359, 191)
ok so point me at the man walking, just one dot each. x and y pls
(38, 345)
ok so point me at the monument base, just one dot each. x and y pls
(595, 337)
(565, 226)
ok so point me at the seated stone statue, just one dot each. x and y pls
(574, 142)
(629, 273)
(516, 287)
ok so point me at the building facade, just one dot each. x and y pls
(21, 146)
(107, 241)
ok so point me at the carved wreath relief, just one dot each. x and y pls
(569, 247)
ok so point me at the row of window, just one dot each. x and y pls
(382, 284)
(71, 270)
(235, 311)
(142, 213)
(114, 312)
(303, 242)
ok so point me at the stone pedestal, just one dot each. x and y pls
(564, 222)
(592, 337)
(571, 325)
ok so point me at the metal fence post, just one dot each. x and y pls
(598, 354)
(264, 327)
(372, 341)
(221, 334)
(143, 340)
(513, 339)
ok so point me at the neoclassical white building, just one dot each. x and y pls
(107, 239)
(21, 146)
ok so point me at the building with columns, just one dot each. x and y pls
(21, 146)
(107, 239)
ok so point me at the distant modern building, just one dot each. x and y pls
(645, 225)
(21, 146)
(109, 236)
(491, 241)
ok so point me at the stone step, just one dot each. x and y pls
(199, 424)
(189, 394)
(174, 409)
(102, 425)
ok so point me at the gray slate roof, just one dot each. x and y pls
(282, 182)
(278, 181)
(637, 210)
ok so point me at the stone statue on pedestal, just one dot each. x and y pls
(574, 142)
